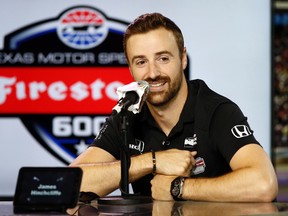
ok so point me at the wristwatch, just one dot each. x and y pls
(177, 187)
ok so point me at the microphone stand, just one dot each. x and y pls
(126, 198)
(124, 155)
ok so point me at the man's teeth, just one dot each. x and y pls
(156, 84)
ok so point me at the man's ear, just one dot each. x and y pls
(184, 59)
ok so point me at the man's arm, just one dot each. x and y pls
(252, 180)
(102, 172)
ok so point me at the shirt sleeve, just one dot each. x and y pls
(229, 130)
(108, 137)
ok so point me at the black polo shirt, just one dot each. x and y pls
(209, 123)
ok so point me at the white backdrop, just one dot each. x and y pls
(228, 43)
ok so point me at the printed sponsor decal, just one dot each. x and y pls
(199, 166)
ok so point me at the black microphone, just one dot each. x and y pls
(132, 97)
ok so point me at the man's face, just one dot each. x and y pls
(154, 57)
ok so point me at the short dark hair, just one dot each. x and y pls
(153, 21)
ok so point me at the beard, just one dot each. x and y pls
(163, 98)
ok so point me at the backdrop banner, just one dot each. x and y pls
(62, 61)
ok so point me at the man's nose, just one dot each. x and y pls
(154, 71)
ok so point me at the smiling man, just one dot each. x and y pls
(195, 143)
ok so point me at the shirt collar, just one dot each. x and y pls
(187, 114)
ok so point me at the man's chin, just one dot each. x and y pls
(157, 102)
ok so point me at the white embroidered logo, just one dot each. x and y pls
(139, 145)
(240, 131)
(190, 142)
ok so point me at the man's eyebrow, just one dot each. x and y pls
(157, 54)
(164, 52)
(137, 57)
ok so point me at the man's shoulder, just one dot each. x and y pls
(207, 101)
(205, 93)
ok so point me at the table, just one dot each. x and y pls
(163, 208)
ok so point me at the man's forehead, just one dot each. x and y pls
(153, 33)
(155, 41)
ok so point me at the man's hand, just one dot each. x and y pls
(160, 187)
(174, 162)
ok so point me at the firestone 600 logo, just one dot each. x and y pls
(60, 76)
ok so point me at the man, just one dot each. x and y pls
(188, 142)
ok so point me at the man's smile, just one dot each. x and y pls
(157, 86)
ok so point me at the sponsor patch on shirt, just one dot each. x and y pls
(199, 166)
(139, 146)
(190, 142)
(240, 131)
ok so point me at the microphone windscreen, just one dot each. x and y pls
(131, 97)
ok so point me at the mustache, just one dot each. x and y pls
(158, 79)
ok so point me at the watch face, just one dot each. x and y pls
(176, 189)
(177, 182)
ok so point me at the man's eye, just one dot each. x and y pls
(163, 59)
(140, 62)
